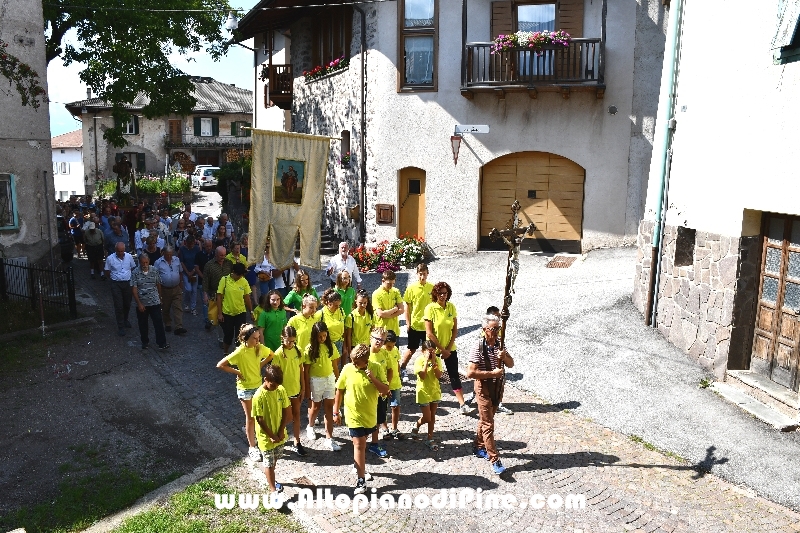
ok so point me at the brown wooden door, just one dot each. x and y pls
(175, 131)
(776, 342)
(411, 216)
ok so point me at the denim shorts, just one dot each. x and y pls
(246, 394)
(394, 398)
(362, 432)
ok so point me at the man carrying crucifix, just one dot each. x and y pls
(487, 363)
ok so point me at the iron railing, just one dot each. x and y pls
(53, 289)
(579, 63)
(281, 87)
(219, 141)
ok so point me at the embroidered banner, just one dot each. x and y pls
(287, 196)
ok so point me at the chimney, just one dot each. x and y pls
(88, 93)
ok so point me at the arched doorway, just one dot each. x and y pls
(549, 189)
(411, 215)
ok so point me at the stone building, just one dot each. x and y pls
(570, 128)
(728, 286)
(216, 126)
(27, 205)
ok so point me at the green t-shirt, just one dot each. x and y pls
(334, 321)
(295, 299)
(348, 299)
(386, 300)
(361, 326)
(361, 396)
(269, 404)
(291, 362)
(323, 366)
(303, 326)
(249, 364)
(418, 296)
(393, 363)
(442, 319)
(272, 322)
(233, 293)
(428, 389)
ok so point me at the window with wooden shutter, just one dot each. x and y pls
(248, 131)
(569, 17)
(502, 19)
(506, 17)
(215, 127)
(418, 44)
(198, 126)
(332, 35)
(234, 129)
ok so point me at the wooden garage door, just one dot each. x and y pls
(549, 189)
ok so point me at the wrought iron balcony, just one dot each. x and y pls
(220, 141)
(281, 86)
(555, 68)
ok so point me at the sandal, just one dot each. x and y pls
(432, 445)
(415, 432)
(397, 435)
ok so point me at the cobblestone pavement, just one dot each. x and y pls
(547, 449)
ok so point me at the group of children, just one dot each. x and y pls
(343, 355)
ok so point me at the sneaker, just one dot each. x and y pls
(186, 308)
(404, 374)
(498, 468)
(469, 400)
(278, 487)
(254, 454)
(181, 331)
(145, 345)
(505, 410)
(367, 475)
(165, 347)
(208, 326)
(397, 435)
(466, 409)
(361, 486)
(194, 312)
(332, 445)
(378, 450)
(386, 435)
(310, 433)
(480, 453)
(300, 450)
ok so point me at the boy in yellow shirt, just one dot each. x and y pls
(416, 298)
(272, 411)
(428, 368)
(395, 385)
(388, 304)
(378, 356)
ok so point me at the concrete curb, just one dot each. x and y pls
(48, 329)
(159, 495)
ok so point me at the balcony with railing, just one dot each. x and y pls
(579, 66)
(281, 84)
(219, 141)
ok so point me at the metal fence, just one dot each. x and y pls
(53, 289)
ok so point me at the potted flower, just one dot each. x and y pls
(345, 160)
(535, 40)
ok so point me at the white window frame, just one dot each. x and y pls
(64, 167)
(206, 123)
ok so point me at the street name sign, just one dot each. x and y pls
(471, 128)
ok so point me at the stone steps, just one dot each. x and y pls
(766, 413)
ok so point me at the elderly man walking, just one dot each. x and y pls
(145, 283)
(486, 366)
(343, 261)
(169, 272)
(119, 267)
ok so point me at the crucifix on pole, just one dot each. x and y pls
(512, 236)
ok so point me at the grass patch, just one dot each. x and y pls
(653, 448)
(192, 511)
(706, 383)
(20, 315)
(92, 491)
(31, 350)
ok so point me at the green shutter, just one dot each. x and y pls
(135, 125)
(234, 128)
(247, 132)
(197, 126)
(215, 127)
(140, 163)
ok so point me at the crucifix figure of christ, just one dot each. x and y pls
(512, 236)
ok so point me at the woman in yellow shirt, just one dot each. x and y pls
(428, 368)
(358, 324)
(290, 360)
(321, 371)
(249, 358)
(333, 316)
(304, 321)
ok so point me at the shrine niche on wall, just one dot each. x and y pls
(384, 213)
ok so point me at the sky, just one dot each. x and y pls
(65, 86)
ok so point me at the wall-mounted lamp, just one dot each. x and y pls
(455, 143)
(231, 23)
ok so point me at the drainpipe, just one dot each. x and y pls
(665, 122)
(363, 157)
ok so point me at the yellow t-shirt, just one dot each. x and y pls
(361, 326)
(291, 362)
(242, 259)
(361, 396)
(323, 366)
(233, 293)
(270, 404)
(249, 364)
(386, 300)
(393, 363)
(428, 389)
(442, 319)
(380, 358)
(419, 296)
(334, 321)
(256, 313)
(303, 327)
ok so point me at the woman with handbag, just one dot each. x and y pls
(188, 254)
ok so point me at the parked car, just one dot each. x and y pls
(194, 176)
(204, 176)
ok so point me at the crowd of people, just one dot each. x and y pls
(339, 352)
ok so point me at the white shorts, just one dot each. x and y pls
(323, 388)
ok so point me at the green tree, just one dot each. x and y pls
(126, 46)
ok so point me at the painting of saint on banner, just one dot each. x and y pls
(289, 179)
